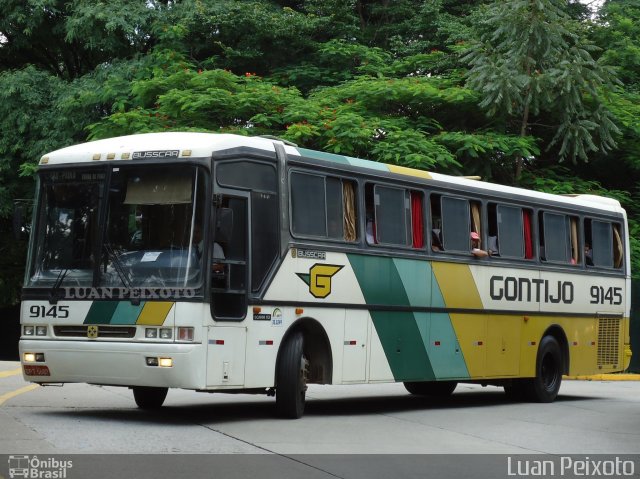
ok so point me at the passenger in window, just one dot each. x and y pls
(475, 246)
(588, 254)
(436, 244)
(492, 246)
(371, 238)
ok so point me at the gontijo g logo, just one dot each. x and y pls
(319, 278)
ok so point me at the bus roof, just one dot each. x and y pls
(193, 144)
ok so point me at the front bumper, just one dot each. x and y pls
(117, 363)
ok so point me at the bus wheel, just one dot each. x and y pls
(148, 397)
(291, 376)
(431, 388)
(545, 386)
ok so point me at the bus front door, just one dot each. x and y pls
(229, 271)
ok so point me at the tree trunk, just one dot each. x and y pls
(523, 132)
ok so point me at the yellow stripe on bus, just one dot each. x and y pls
(154, 313)
(403, 170)
(459, 290)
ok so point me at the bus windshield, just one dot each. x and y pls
(154, 227)
(143, 230)
(68, 227)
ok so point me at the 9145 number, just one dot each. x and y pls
(61, 312)
(600, 295)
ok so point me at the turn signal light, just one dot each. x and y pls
(185, 334)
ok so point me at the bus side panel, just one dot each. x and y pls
(354, 355)
(458, 289)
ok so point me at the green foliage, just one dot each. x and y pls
(531, 58)
(617, 32)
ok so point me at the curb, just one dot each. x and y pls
(606, 377)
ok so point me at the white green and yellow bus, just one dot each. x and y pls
(224, 263)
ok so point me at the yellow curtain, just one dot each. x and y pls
(617, 248)
(574, 240)
(349, 209)
(475, 218)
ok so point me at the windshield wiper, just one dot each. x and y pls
(53, 294)
(117, 265)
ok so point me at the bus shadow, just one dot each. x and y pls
(213, 412)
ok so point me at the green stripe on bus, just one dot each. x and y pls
(445, 353)
(374, 165)
(447, 359)
(419, 345)
(416, 278)
(321, 155)
(403, 346)
(379, 280)
(401, 334)
(100, 312)
(126, 313)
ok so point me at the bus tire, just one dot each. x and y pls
(149, 397)
(431, 388)
(291, 378)
(544, 387)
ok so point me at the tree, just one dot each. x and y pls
(531, 58)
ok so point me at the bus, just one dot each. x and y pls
(233, 264)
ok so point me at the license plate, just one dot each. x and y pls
(37, 370)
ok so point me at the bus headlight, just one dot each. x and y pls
(166, 333)
(151, 333)
(41, 330)
(33, 357)
(28, 330)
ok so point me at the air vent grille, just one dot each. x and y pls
(608, 342)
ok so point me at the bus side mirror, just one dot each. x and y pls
(224, 225)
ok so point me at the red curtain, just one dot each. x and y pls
(416, 220)
(528, 244)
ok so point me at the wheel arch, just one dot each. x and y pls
(317, 349)
(556, 331)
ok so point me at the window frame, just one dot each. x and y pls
(468, 201)
(522, 243)
(612, 225)
(407, 215)
(324, 176)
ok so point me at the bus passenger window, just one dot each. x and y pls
(370, 227)
(394, 216)
(510, 232)
(558, 239)
(436, 223)
(323, 207)
(603, 244)
(456, 224)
